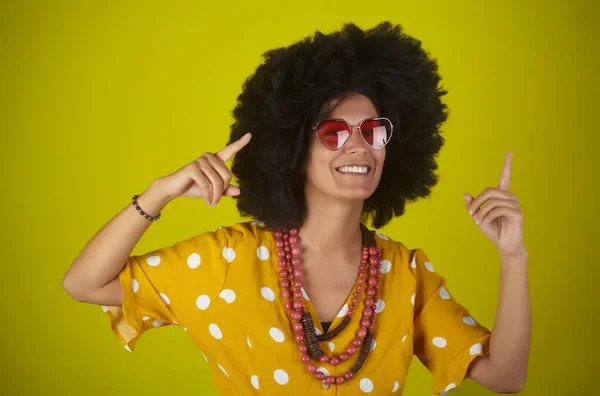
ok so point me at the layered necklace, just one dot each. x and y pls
(291, 273)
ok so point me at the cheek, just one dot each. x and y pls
(311, 158)
(318, 164)
(319, 157)
(380, 158)
(314, 162)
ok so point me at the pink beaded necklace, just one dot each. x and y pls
(288, 251)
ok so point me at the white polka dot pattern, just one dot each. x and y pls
(386, 266)
(135, 286)
(238, 298)
(228, 254)
(444, 293)
(267, 293)
(343, 311)
(281, 377)
(254, 381)
(439, 342)
(263, 253)
(153, 261)
(228, 295)
(366, 385)
(276, 334)
(165, 298)
(304, 295)
(450, 386)
(324, 371)
(202, 302)
(215, 331)
(194, 260)
(223, 370)
(475, 349)
(381, 236)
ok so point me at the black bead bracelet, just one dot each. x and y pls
(140, 211)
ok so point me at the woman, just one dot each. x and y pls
(345, 128)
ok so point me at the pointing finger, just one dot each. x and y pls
(233, 148)
(505, 176)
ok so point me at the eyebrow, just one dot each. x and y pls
(343, 119)
(324, 114)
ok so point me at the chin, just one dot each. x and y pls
(355, 194)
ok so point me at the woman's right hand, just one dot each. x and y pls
(207, 177)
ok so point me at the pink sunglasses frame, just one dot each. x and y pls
(351, 129)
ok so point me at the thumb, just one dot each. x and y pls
(468, 199)
(232, 191)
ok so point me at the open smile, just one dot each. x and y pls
(354, 170)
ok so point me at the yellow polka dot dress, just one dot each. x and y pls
(223, 289)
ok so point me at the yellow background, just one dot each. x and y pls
(98, 98)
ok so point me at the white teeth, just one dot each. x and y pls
(353, 169)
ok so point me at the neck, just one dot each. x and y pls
(332, 229)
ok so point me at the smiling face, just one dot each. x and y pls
(340, 174)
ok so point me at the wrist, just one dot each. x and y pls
(517, 254)
(514, 258)
(154, 199)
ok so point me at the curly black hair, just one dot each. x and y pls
(283, 99)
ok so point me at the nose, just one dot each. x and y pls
(356, 142)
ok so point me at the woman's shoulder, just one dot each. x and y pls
(238, 235)
(406, 264)
(403, 256)
(253, 232)
(391, 247)
(224, 236)
(244, 232)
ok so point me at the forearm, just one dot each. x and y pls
(509, 344)
(104, 256)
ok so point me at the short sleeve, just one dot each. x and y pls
(446, 337)
(165, 286)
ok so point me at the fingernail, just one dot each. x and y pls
(470, 212)
(477, 222)
(213, 205)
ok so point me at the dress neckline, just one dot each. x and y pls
(367, 240)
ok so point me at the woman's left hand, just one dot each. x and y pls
(500, 218)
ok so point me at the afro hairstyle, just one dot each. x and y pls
(285, 97)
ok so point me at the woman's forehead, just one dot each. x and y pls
(352, 108)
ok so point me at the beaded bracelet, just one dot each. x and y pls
(140, 211)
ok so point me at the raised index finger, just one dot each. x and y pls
(233, 148)
(504, 183)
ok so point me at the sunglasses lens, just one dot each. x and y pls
(333, 134)
(376, 132)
